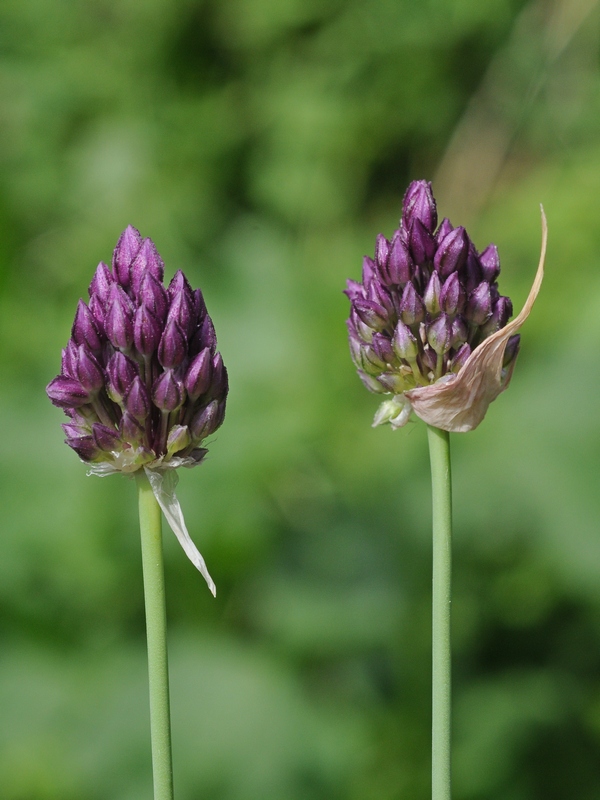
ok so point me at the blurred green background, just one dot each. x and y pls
(263, 144)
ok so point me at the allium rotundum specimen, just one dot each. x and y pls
(428, 325)
(141, 380)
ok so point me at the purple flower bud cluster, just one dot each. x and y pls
(141, 381)
(426, 301)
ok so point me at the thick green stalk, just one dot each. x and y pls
(441, 485)
(156, 632)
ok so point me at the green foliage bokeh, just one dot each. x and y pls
(263, 144)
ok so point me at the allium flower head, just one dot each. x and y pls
(141, 381)
(428, 325)
(140, 368)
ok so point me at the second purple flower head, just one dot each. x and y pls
(428, 326)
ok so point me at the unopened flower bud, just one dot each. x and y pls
(452, 295)
(489, 261)
(372, 314)
(66, 392)
(199, 304)
(439, 334)
(356, 352)
(69, 359)
(369, 271)
(371, 362)
(412, 308)
(419, 204)
(118, 322)
(421, 242)
(179, 283)
(363, 331)
(181, 310)
(404, 342)
(199, 375)
(503, 310)
(400, 265)
(383, 349)
(96, 307)
(472, 274)
(147, 259)
(75, 429)
(382, 252)
(130, 430)
(511, 351)
(392, 382)
(178, 439)
(137, 402)
(220, 380)
(499, 317)
(173, 346)
(379, 294)
(85, 447)
(85, 329)
(459, 360)
(153, 295)
(479, 306)
(432, 294)
(206, 335)
(106, 438)
(147, 331)
(452, 252)
(354, 291)
(126, 250)
(205, 422)
(443, 230)
(371, 383)
(88, 370)
(120, 372)
(101, 283)
(459, 332)
(355, 346)
(168, 393)
(428, 360)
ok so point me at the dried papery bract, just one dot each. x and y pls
(459, 402)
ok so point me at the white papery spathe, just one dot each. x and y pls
(163, 482)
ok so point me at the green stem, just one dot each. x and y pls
(441, 484)
(156, 631)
